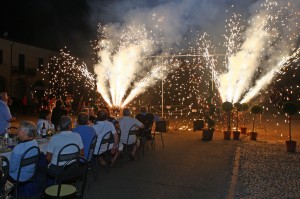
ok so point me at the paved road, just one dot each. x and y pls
(186, 168)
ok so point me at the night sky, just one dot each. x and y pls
(50, 24)
(54, 24)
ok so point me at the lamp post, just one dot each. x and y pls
(162, 87)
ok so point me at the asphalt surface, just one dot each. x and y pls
(186, 167)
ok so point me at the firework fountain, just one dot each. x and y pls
(256, 53)
(134, 56)
(269, 42)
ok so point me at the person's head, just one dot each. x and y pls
(116, 124)
(59, 103)
(3, 96)
(45, 114)
(65, 123)
(143, 109)
(102, 115)
(83, 118)
(126, 112)
(107, 110)
(26, 131)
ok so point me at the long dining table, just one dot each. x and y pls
(42, 143)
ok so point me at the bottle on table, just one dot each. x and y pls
(43, 131)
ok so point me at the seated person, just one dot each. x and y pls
(58, 141)
(126, 122)
(144, 117)
(147, 120)
(85, 131)
(26, 134)
(44, 117)
(102, 126)
(90, 113)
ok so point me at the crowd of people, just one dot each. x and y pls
(88, 125)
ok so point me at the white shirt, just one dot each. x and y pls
(126, 123)
(101, 128)
(39, 125)
(58, 141)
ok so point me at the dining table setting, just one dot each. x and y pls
(7, 145)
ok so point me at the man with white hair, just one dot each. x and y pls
(5, 115)
(126, 122)
(26, 134)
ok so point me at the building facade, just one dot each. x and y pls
(20, 68)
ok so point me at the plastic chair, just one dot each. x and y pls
(71, 181)
(24, 162)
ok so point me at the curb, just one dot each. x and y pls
(234, 176)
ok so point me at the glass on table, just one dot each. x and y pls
(3, 145)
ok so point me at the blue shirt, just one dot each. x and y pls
(15, 158)
(5, 116)
(86, 133)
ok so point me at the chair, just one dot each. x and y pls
(160, 128)
(64, 156)
(71, 181)
(106, 139)
(147, 136)
(3, 178)
(27, 160)
(91, 153)
(132, 131)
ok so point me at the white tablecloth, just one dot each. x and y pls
(42, 142)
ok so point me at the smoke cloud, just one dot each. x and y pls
(174, 19)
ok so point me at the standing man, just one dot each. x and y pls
(5, 115)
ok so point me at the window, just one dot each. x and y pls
(1, 56)
(21, 62)
(40, 63)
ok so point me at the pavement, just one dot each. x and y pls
(188, 167)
